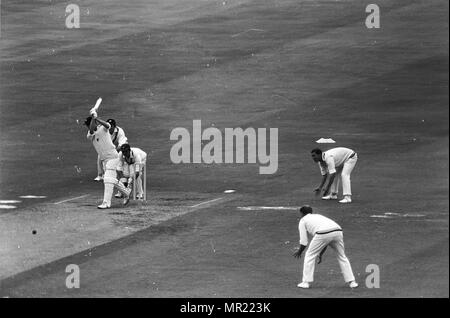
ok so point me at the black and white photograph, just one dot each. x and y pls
(224, 153)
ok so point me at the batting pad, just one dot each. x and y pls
(117, 184)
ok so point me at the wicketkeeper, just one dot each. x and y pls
(132, 162)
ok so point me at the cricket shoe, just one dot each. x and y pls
(330, 197)
(104, 205)
(98, 178)
(346, 199)
(118, 195)
(304, 285)
(353, 284)
(126, 200)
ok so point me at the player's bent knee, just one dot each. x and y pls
(109, 180)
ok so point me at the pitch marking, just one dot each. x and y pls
(288, 99)
(381, 216)
(32, 196)
(391, 215)
(82, 196)
(256, 208)
(4, 206)
(213, 200)
(256, 30)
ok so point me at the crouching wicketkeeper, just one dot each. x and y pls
(132, 162)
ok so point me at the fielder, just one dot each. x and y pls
(118, 138)
(325, 232)
(340, 161)
(99, 135)
(132, 162)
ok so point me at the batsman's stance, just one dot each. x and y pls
(118, 138)
(132, 161)
(325, 232)
(99, 135)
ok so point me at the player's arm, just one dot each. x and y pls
(324, 179)
(103, 123)
(136, 170)
(122, 139)
(330, 182)
(119, 168)
(321, 253)
(303, 239)
(92, 126)
(298, 253)
(331, 172)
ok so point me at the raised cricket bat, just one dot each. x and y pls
(97, 105)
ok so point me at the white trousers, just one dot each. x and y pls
(343, 174)
(110, 180)
(336, 241)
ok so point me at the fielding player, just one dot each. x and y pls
(132, 161)
(99, 135)
(118, 138)
(340, 161)
(325, 232)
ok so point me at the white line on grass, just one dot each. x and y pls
(33, 196)
(9, 201)
(82, 196)
(213, 200)
(256, 208)
(5, 206)
(256, 30)
(381, 216)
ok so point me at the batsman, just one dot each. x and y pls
(98, 134)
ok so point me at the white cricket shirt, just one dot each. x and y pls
(334, 158)
(313, 223)
(137, 157)
(101, 139)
